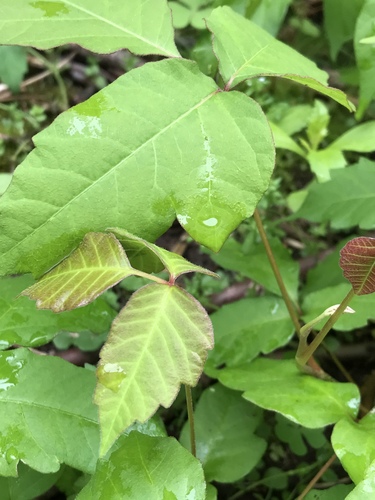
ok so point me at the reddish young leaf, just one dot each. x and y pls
(358, 263)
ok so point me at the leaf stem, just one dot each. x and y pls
(150, 277)
(190, 411)
(276, 271)
(304, 356)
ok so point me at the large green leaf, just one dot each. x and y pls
(253, 263)
(245, 50)
(246, 328)
(317, 302)
(96, 265)
(23, 324)
(366, 488)
(365, 55)
(47, 416)
(158, 341)
(347, 200)
(145, 148)
(144, 467)
(280, 386)
(224, 426)
(339, 22)
(360, 138)
(354, 444)
(143, 27)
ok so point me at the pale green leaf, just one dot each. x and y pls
(47, 416)
(96, 265)
(254, 264)
(23, 324)
(317, 302)
(175, 264)
(226, 444)
(162, 335)
(366, 488)
(354, 444)
(245, 51)
(146, 148)
(13, 66)
(339, 22)
(284, 141)
(143, 27)
(144, 467)
(280, 386)
(360, 138)
(29, 484)
(211, 492)
(347, 200)
(180, 15)
(370, 40)
(296, 118)
(4, 182)
(270, 15)
(246, 328)
(365, 55)
(323, 161)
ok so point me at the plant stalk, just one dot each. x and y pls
(190, 411)
(288, 301)
(305, 356)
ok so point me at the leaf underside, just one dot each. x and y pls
(357, 260)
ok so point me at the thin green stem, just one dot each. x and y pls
(303, 357)
(151, 277)
(190, 410)
(288, 301)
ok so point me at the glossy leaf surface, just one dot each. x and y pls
(96, 265)
(108, 161)
(280, 386)
(354, 444)
(247, 328)
(147, 467)
(317, 302)
(357, 260)
(347, 200)
(224, 426)
(245, 51)
(175, 264)
(142, 27)
(23, 324)
(253, 263)
(365, 55)
(157, 342)
(47, 416)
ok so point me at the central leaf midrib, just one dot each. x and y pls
(108, 172)
(119, 27)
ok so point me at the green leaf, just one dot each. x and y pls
(365, 55)
(283, 141)
(4, 181)
(366, 488)
(47, 416)
(332, 493)
(354, 444)
(180, 15)
(226, 444)
(270, 15)
(281, 387)
(245, 51)
(175, 264)
(143, 29)
(323, 161)
(29, 484)
(296, 436)
(317, 302)
(147, 467)
(120, 147)
(347, 200)
(13, 66)
(246, 328)
(339, 22)
(254, 264)
(357, 260)
(96, 265)
(162, 335)
(23, 324)
(360, 138)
